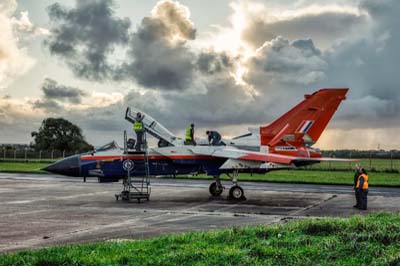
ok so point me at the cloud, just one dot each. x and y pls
(56, 96)
(51, 106)
(176, 19)
(24, 24)
(14, 60)
(8, 7)
(17, 119)
(279, 62)
(85, 37)
(158, 55)
(368, 65)
(210, 62)
(53, 90)
(325, 24)
(182, 79)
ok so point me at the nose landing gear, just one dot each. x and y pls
(216, 187)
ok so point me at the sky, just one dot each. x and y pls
(223, 65)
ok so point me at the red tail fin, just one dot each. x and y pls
(306, 121)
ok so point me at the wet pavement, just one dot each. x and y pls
(44, 210)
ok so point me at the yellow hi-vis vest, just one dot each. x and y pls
(365, 185)
(137, 126)
(188, 135)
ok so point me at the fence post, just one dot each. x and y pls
(63, 154)
(391, 161)
(329, 163)
(15, 154)
(52, 154)
(350, 162)
(40, 155)
(26, 153)
(4, 153)
(370, 160)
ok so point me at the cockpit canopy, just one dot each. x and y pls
(109, 146)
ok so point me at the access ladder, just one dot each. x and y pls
(136, 185)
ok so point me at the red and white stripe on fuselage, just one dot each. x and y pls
(301, 152)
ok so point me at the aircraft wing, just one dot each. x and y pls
(240, 154)
(250, 159)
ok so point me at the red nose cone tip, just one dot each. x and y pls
(69, 166)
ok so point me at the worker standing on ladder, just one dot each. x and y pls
(189, 136)
(139, 130)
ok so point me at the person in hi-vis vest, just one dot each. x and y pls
(189, 136)
(139, 130)
(362, 189)
(357, 173)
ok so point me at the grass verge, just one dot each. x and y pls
(359, 240)
(23, 167)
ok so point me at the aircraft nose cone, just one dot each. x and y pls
(69, 166)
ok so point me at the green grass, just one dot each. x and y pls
(315, 177)
(22, 167)
(375, 164)
(368, 240)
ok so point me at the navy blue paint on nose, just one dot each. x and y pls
(69, 166)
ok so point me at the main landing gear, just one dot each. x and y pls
(235, 192)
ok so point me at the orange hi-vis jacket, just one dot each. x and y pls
(365, 185)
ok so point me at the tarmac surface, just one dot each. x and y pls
(47, 210)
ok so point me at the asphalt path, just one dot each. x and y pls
(201, 183)
(46, 210)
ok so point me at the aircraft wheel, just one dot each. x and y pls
(215, 190)
(236, 193)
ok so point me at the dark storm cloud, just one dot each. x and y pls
(158, 55)
(369, 66)
(325, 27)
(210, 62)
(280, 62)
(85, 36)
(48, 105)
(283, 69)
(54, 94)
(54, 91)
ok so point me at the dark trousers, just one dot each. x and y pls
(357, 195)
(139, 140)
(363, 199)
(216, 141)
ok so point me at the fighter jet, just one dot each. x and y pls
(286, 143)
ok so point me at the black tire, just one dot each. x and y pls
(236, 193)
(214, 190)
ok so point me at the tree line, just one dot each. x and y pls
(351, 153)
